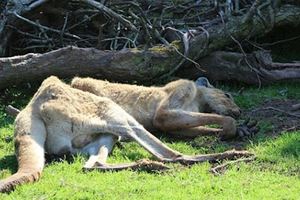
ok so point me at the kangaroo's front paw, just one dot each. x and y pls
(229, 128)
(247, 129)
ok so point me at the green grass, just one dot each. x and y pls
(275, 174)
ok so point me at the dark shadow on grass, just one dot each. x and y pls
(9, 163)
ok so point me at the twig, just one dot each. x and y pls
(281, 41)
(36, 4)
(227, 155)
(293, 128)
(12, 111)
(258, 74)
(111, 13)
(185, 41)
(252, 10)
(278, 110)
(64, 29)
(24, 33)
(44, 27)
(83, 21)
(296, 106)
(216, 170)
(120, 38)
(147, 165)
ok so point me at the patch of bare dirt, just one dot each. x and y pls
(280, 113)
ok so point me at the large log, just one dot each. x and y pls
(130, 64)
(141, 66)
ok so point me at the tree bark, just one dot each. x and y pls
(141, 66)
(147, 65)
(255, 68)
(130, 64)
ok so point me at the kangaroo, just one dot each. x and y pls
(180, 107)
(63, 120)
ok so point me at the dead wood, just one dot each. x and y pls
(129, 64)
(149, 165)
(144, 164)
(260, 68)
(19, 7)
(142, 66)
(219, 169)
(145, 64)
(296, 107)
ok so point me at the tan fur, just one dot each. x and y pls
(58, 119)
(177, 107)
(63, 120)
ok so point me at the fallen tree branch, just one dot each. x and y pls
(111, 13)
(278, 110)
(214, 157)
(144, 164)
(219, 38)
(150, 165)
(217, 169)
(45, 27)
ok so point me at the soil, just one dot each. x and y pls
(279, 113)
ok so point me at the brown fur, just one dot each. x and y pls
(178, 107)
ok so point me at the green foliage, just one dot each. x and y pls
(253, 96)
(273, 175)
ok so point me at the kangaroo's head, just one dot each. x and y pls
(216, 100)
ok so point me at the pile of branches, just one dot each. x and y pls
(115, 25)
(142, 40)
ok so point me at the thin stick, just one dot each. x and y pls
(147, 165)
(44, 27)
(120, 38)
(278, 110)
(252, 11)
(37, 3)
(257, 72)
(296, 106)
(111, 13)
(216, 170)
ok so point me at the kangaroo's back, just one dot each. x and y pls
(139, 101)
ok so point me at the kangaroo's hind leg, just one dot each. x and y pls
(119, 123)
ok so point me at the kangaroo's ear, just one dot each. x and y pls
(203, 82)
